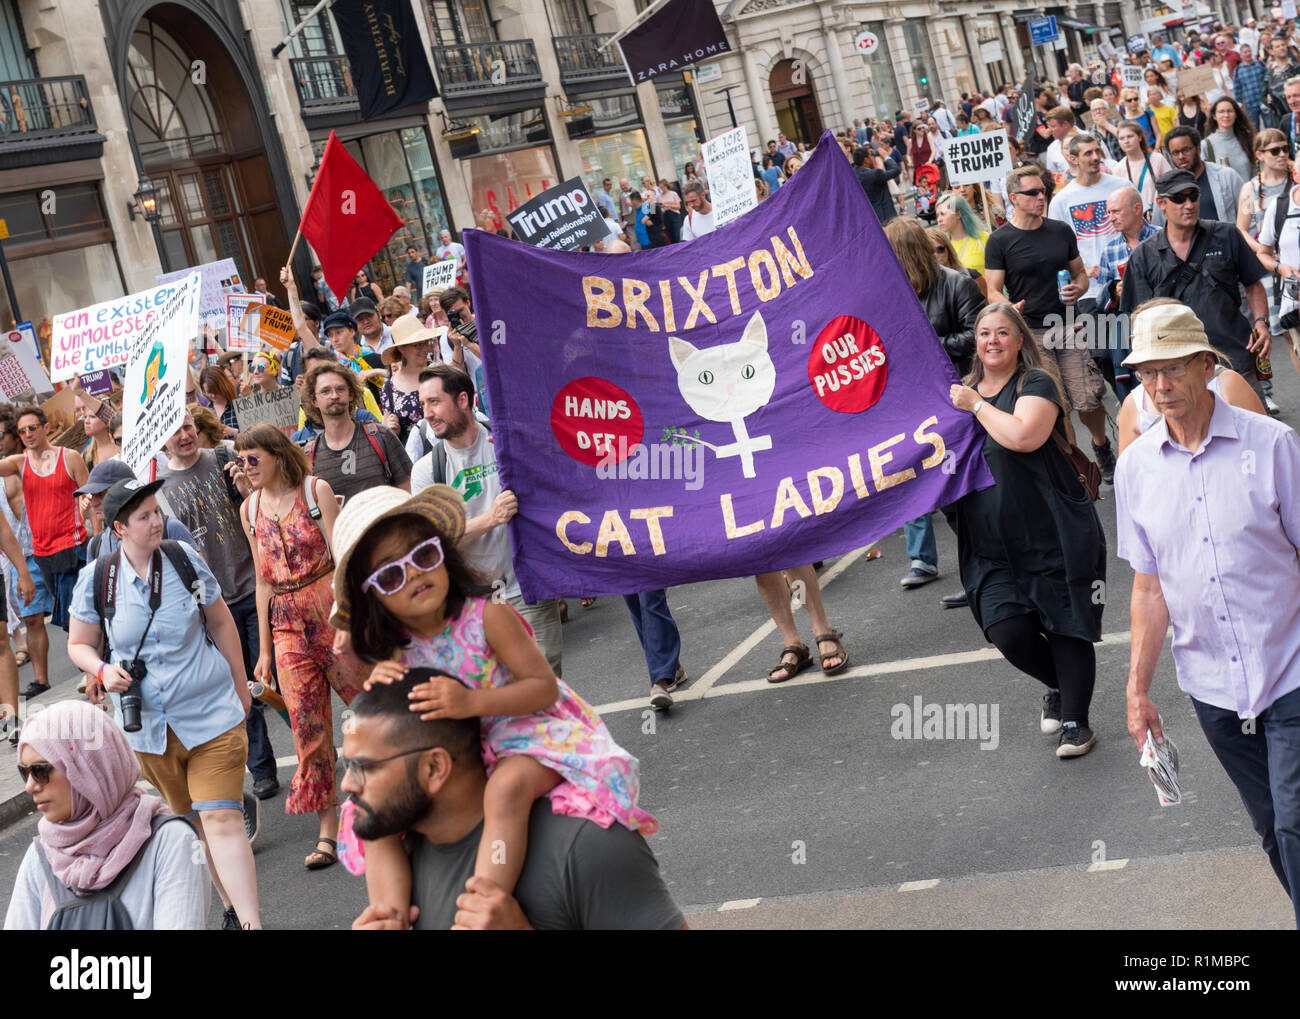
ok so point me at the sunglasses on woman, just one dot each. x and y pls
(252, 460)
(41, 771)
(391, 577)
(258, 369)
(1276, 150)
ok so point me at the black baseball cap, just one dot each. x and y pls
(1175, 182)
(104, 476)
(120, 499)
(362, 306)
(337, 318)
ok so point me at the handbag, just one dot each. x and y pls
(1087, 470)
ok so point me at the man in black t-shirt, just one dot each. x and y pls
(426, 779)
(350, 456)
(1026, 254)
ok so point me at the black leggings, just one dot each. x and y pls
(1067, 664)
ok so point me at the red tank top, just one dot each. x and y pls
(52, 508)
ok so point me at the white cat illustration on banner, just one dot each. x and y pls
(728, 383)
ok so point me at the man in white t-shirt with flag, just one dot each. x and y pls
(699, 213)
(1081, 205)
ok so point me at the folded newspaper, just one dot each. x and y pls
(1161, 762)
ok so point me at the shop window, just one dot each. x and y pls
(501, 182)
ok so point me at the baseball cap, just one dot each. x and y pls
(125, 494)
(338, 318)
(104, 476)
(1174, 182)
(362, 306)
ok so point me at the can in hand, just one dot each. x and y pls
(1063, 279)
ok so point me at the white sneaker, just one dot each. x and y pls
(1271, 407)
(81, 684)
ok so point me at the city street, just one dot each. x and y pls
(794, 805)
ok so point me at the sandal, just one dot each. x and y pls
(319, 859)
(836, 638)
(22, 657)
(786, 670)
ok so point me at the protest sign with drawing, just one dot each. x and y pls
(977, 158)
(279, 407)
(153, 398)
(731, 175)
(438, 276)
(781, 399)
(101, 336)
(241, 322)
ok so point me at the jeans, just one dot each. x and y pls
(921, 548)
(657, 631)
(261, 758)
(1264, 765)
(544, 618)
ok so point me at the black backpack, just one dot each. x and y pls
(101, 910)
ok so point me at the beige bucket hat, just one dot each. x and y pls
(407, 329)
(1167, 332)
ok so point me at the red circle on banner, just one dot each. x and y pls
(593, 419)
(848, 367)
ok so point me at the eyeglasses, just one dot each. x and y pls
(1032, 192)
(1171, 372)
(258, 369)
(391, 577)
(1276, 150)
(252, 460)
(358, 769)
(388, 317)
(41, 771)
(1192, 195)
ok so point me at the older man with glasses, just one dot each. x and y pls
(1204, 264)
(1208, 515)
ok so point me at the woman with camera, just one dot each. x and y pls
(178, 672)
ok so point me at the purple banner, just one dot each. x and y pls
(766, 396)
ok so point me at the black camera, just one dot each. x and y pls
(132, 699)
(453, 318)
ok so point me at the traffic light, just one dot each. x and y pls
(925, 81)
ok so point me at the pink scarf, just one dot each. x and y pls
(110, 817)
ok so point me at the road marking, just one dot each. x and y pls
(727, 907)
(1107, 865)
(695, 693)
(918, 886)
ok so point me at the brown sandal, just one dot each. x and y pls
(837, 639)
(319, 859)
(803, 659)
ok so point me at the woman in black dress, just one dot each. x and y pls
(1032, 552)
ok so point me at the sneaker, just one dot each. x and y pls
(954, 601)
(1076, 740)
(230, 920)
(1050, 720)
(1105, 460)
(659, 696)
(265, 788)
(917, 576)
(252, 818)
(1271, 406)
(81, 684)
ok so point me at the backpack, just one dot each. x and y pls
(308, 496)
(101, 910)
(105, 601)
(372, 434)
(96, 543)
(439, 449)
(1281, 213)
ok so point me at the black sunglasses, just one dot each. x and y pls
(1182, 197)
(1276, 150)
(41, 771)
(1032, 192)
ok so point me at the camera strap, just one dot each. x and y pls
(155, 591)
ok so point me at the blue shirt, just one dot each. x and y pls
(606, 201)
(189, 687)
(773, 177)
(1248, 82)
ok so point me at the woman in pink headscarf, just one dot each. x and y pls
(96, 825)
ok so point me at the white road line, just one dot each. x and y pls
(694, 693)
(1107, 865)
(727, 907)
(918, 886)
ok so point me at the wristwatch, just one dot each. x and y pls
(976, 409)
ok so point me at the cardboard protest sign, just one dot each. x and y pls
(26, 369)
(731, 175)
(976, 158)
(279, 407)
(1197, 81)
(563, 217)
(765, 395)
(438, 276)
(153, 398)
(101, 336)
(241, 322)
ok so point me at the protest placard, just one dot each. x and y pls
(782, 397)
(1197, 81)
(1025, 116)
(220, 278)
(438, 276)
(1130, 76)
(731, 175)
(279, 407)
(1288, 10)
(242, 322)
(153, 399)
(274, 326)
(98, 383)
(562, 217)
(100, 336)
(29, 335)
(976, 158)
(18, 348)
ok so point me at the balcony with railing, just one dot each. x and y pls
(489, 74)
(586, 67)
(324, 84)
(45, 120)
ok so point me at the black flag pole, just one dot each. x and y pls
(279, 48)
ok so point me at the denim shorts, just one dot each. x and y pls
(42, 604)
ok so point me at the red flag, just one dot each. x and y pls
(346, 219)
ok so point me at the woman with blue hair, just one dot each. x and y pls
(968, 234)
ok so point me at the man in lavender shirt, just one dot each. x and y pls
(1208, 507)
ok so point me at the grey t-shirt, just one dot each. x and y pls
(357, 466)
(577, 876)
(197, 497)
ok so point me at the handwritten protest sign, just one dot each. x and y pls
(976, 158)
(1197, 81)
(764, 396)
(153, 399)
(731, 175)
(101, 336)
(438, 276)
(279, 407)
(220, 278)
(241, 322)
